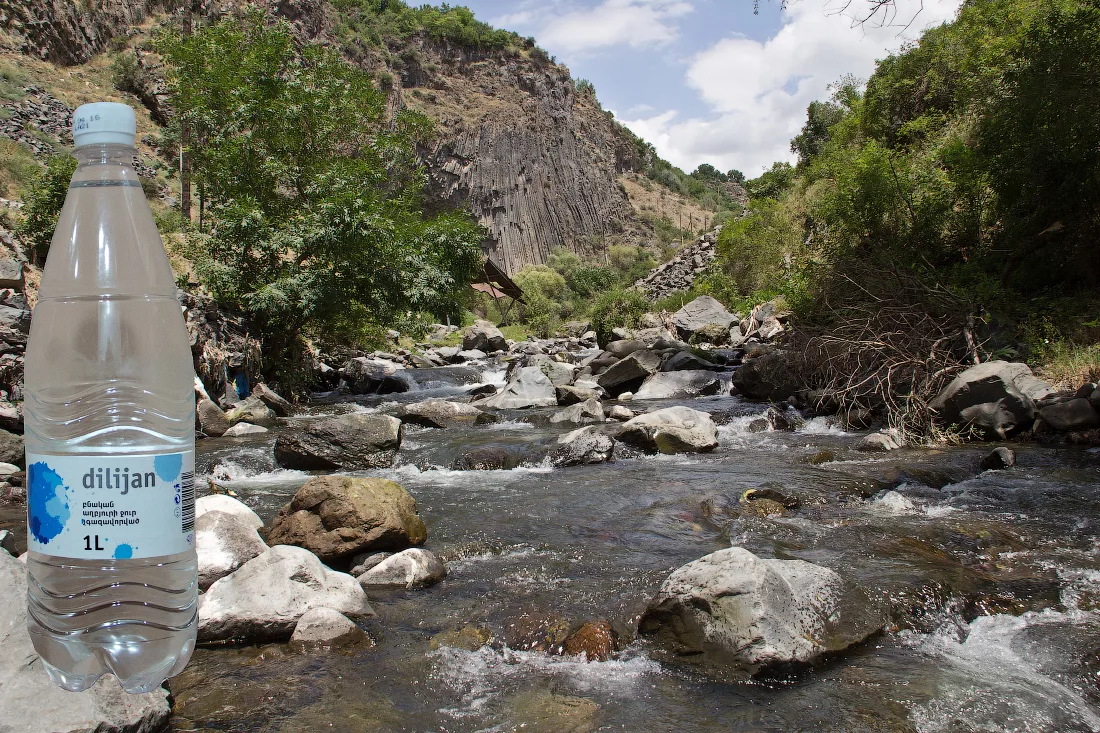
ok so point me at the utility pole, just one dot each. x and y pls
(185, 135)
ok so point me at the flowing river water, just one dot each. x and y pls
(994, 621)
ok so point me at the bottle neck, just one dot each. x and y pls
(105, 154)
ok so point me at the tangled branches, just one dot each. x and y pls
(882, 340)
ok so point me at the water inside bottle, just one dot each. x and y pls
(109, 379)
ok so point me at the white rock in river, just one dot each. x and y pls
(734, 609)
(528, 387)
(30, 703)
(671, 430)
(242, 429)
(224, 542)
(266, 596)
(678, 385)
(413, 568)
(325, 625)
(229, 505)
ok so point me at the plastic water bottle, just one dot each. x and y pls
(109, 414)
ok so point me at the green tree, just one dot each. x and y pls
(314, 194)
(773, 183)
(810, 142)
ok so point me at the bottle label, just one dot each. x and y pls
(111, 507)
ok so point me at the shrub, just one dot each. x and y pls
(18, 168)
(44, 202)
(616, 309)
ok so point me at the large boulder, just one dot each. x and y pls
(229, 505)
(671, 430)
(335, 517)
(31, 703)
(443, 414)
(528, 387)
(250, 410)
(1008, 386)
(485, 337)
(734, 609)
(274, 401)
(580, 414)
(623, 349)
(326, 626)
(265, 598)
(487, 458)
(700, 313)
(572, 394)
(680, 384)
(628, 374)
(356, 441)
(224, 542)
(685, 361)
(767, 377)
(1071, 415)
(560, 374)
(412, 568)
(583, 446)
(364, 375)
(210, 418)
(11, 448)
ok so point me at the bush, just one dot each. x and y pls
(127, 74)
(616, 309)
(18, 168)
(755, 252)
(44, 202)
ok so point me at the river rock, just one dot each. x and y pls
(250, 410)
(559, 373)
(326, 626)
(1094, 399)
(584, 446)
(242, 429)
(766, 377)
(1071, 415)
(486, 458)
(671, 430)
(269, 397)
(335, 517)
(734, 609)
(11, 448)
(878, 443)
(596, 640)
(677, 385)
(623, 349)
(30, 703)
(702, 312)
(1008, 385)
(470, 355)
(356, 441)
(620, 413)
(229, 505)
(265, 597)
(572, 394)
(580, 414)
(224, 542)
(485, 337)
(528, 387)
(364, 375)
(412, 568)
(685, 361)
(999, 458)
(628, 374)
(210, 418)
(443, 414)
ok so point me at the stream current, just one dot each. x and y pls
(990, 581)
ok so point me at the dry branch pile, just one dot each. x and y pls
(884, 341)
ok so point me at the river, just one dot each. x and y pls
(990, 581)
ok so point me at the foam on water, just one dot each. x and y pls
(410, 471)
(991, 682)
(484, 675)
(822, 426)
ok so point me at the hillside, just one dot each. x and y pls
(522, 146)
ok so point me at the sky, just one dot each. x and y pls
(709, 81)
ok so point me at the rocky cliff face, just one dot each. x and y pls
(534, 160)
(72, 31)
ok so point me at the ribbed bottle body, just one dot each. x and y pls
(109, 426)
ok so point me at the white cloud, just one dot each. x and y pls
(758, 91)
(565, 27)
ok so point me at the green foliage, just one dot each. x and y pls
(614, 309)
(629, 263)
(541, 280)
(584, 87)
(127, 74)
(313, 195)
(771, 184)
(18, 168)
(820, 117)
(377, 21)
(12, 81)
(44, 201)
(756, 252)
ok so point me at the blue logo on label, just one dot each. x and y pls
(124, 552)
(47, 507)
(168, 467)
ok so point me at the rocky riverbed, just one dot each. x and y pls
(694, 560)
